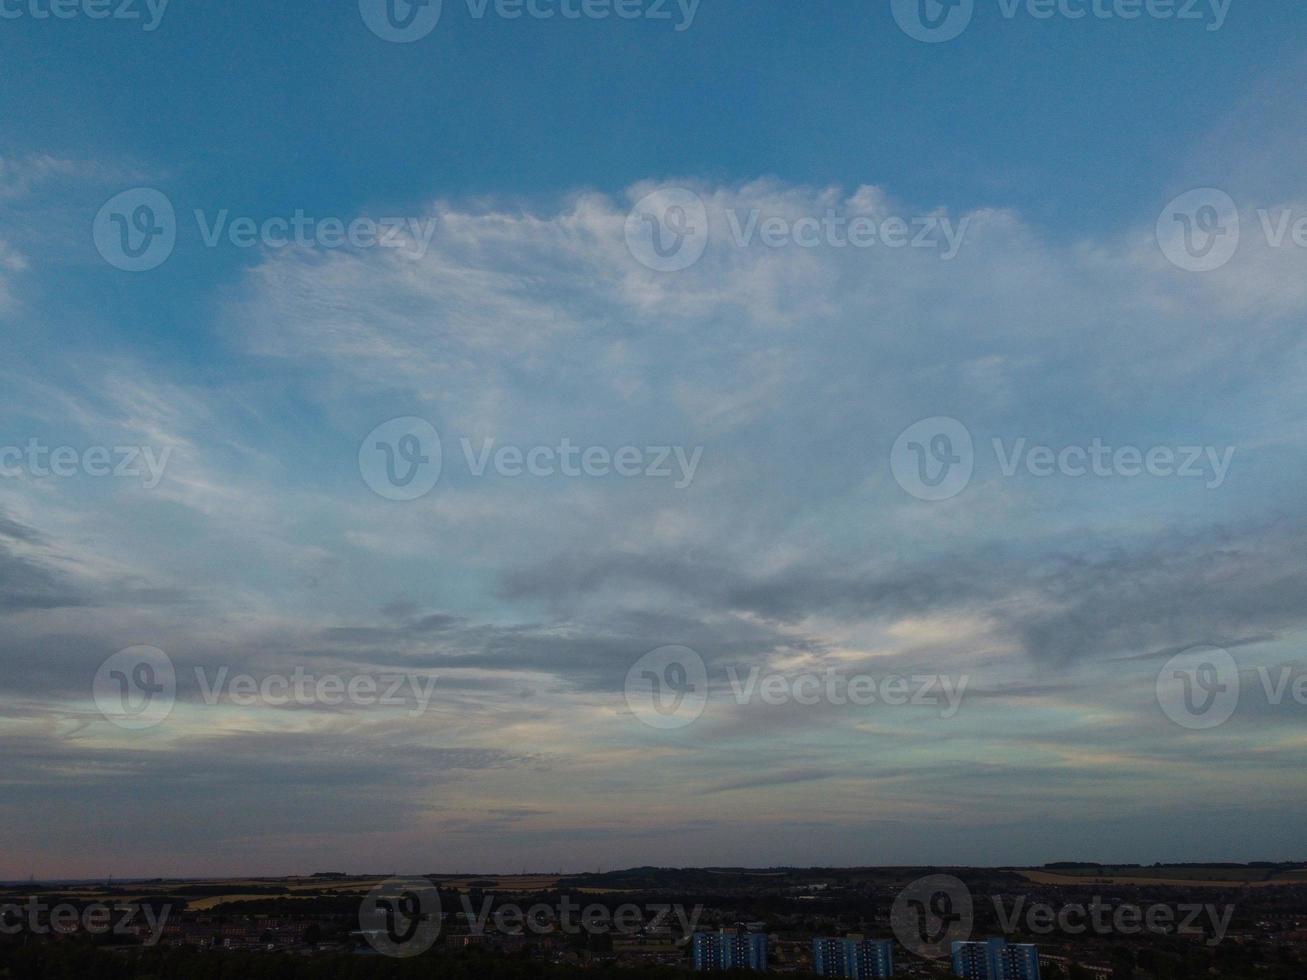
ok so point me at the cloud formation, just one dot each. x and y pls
(529, 598)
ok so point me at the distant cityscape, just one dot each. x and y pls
(1069, 922)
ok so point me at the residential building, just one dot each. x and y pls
(729, 950)
(994, 959)
(852, 957)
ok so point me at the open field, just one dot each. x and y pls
(202, 894)
(1176, 876)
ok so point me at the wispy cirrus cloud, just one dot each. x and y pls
(793, 549)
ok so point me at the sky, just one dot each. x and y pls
(747, 432)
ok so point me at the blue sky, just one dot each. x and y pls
(518, 156)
